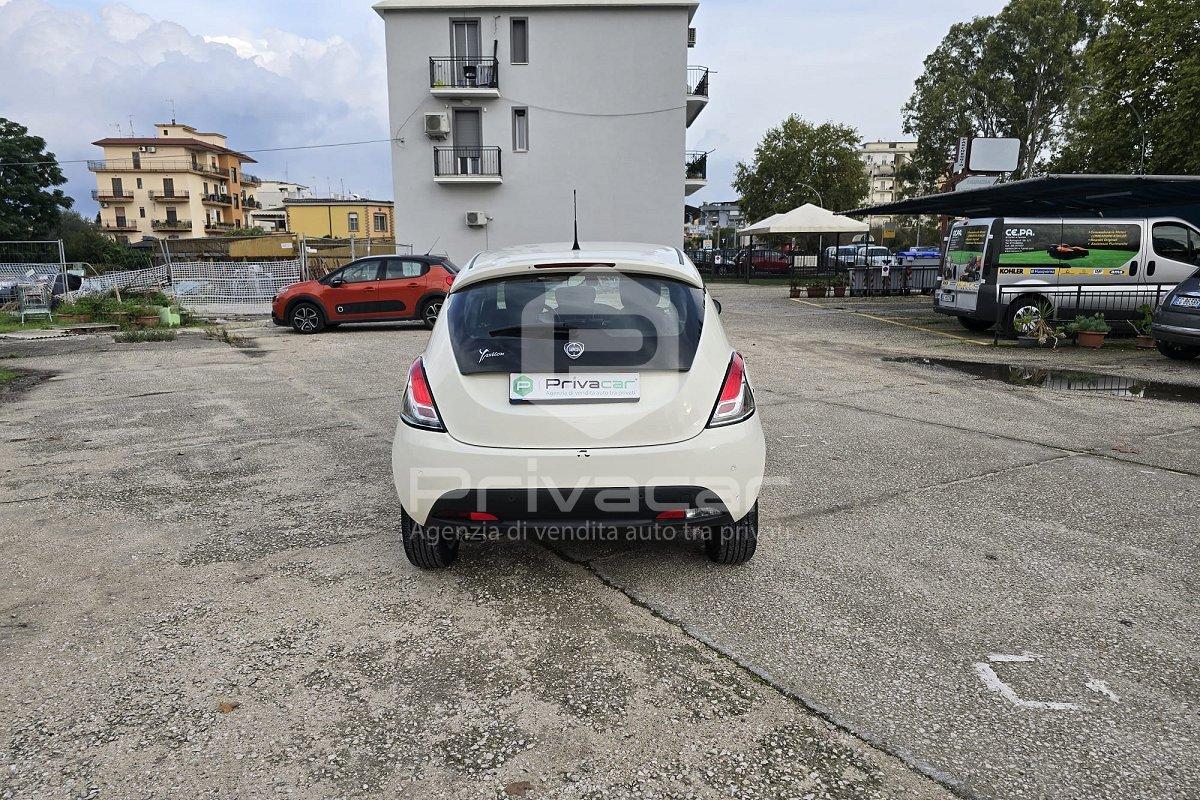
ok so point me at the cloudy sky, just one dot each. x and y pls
(275, 74)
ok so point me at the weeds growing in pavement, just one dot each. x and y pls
(150, 335)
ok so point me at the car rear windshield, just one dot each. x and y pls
(559, 322)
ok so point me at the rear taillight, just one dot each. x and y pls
(735, 402)
(419, 409)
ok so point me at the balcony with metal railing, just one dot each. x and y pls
(251, 180)
(467, 165)
(121, 224)
(213, 226)
(695, 172)
(170, 197)
(171, 225)
(217, 199)
(464, 77)
(112, 196)
(156, 164)
(697, 92)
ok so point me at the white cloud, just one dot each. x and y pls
(73, 77)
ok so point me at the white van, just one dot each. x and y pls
(1017, 271)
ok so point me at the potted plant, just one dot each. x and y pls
(144, 316)
(839, 286)
(1141, 327)
(816, 289)
(1090, 331)
(794, 288)
(1041, 334)
(71, 314)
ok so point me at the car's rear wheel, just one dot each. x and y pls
(430, 310)
(427, 547)
(976, 325)
(307, 318)
(1179, 352)
(736, 543)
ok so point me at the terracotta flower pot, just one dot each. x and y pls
(815, 291)
(146, 320)
(1090, 339)
(1146, 342)
(793, 293)
(839, 291)
(72, 319)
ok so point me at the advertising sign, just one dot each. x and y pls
(994, 155)
(1069, 249)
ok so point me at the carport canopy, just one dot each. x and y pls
(1061, 195)
(808, 218)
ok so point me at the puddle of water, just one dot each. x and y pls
(1069, 380)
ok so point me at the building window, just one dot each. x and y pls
(142, 212)
(520, 129)
(139, 183)
(352, 221)
(381, 225)
(520, 40)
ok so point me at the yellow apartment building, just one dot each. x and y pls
(180, 183)
(316, 217)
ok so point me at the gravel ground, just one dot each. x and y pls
(204, 592)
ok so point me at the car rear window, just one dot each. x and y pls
(559, 322)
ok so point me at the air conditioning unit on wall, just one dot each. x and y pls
(477, 219)
(437, 124)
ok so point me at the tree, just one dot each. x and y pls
(796, 153)
(1014, 74)
(83, 241)
(1143, 78)
(29, 205)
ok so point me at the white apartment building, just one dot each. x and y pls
(501, 108)
(880, 161)
(271, 215)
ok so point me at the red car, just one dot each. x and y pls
(372, 289)
(766, 261)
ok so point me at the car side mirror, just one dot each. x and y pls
(717, 303)
(337, 282)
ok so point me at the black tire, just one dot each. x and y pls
(1179, 352)
(430, 310)
(306, 318)
(1023, 313)
(427, 548)
(736, 543)
(976, 325)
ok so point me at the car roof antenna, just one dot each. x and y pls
(435, 241)
(575, 195)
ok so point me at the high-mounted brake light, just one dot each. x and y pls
(735, 402)
(419, 409)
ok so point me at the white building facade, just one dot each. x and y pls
(881, 161)
(501, 108)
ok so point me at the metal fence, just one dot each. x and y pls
(456, 162)
(238, 287)
(1019, 307)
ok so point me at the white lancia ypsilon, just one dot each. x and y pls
(578, 393)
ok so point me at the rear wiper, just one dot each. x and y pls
(517, 330)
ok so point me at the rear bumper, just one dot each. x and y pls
(1177, 334)
(434, 471)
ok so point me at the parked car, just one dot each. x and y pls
(371, 289)
(841, 256)
(1176, 326)
(550, 399)
(764, 260)
(873, 256)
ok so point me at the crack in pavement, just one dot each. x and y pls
(867, 738)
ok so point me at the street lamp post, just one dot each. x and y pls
(1137, 115)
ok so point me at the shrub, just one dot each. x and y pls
(1093, 324)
